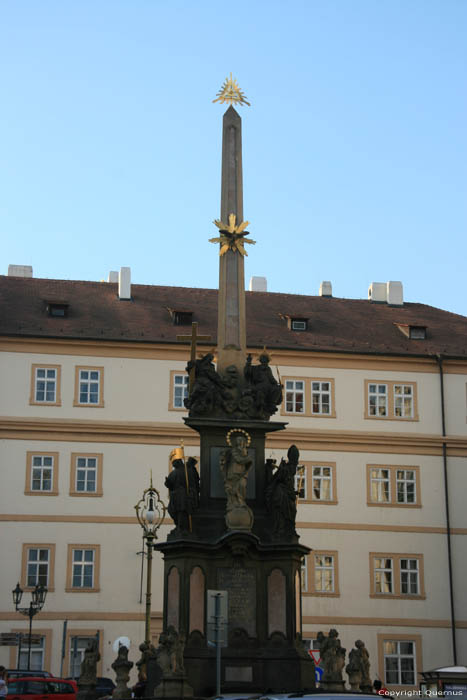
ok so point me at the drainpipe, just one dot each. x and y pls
(439, 359)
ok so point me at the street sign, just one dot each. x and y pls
(219, 599)
(318, 673)
(315, 655)
(12, 639)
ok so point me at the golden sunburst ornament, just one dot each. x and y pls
(232, 236)
(230, 92)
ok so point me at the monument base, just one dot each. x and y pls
(172, 688)
(333, 686)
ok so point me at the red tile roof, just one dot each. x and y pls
(339, 325)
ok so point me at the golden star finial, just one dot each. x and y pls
(232, 236)
(230, 92)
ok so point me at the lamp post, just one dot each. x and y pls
(38, 596)
(150, 511)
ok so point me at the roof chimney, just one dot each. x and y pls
(395, 294)
(377, 291)
(113, 276)
(325, 289)
(124, 283)
(19, 271)
(258, 284)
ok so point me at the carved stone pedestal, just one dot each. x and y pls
(86, 691)
(333, 686)
(173, 688)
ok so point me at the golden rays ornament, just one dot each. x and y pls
(230, 92)
(232, 236)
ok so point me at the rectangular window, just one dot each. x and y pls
(180, 390)
(322, 483)
(403, 400)
(89, 387)
(83, 568)
(41, 474)
(45, 385)
(321, 574)
(397, 575)
(300, 482)
(399, 662)
(406, 486)
(321, 398)
(78, 646)
(391, 400)
(380, 485)
(37, 653)
(383, 572)
(37, 568)
(294, 396)
(410, 584)
(304, 574)
(86, 474)
(324, 573)
(393, 485)
(378, 400)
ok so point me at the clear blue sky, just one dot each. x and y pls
(354, 148)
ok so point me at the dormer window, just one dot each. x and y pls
(181, 317)
(414, 332)
(57, 309)
(295, 323)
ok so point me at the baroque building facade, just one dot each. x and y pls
(375, 397)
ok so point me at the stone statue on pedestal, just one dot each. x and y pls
(333, 661)
(358, 668)
(122, 667)
(235, 463)
(266, 390)
(208, 391)
(183, 484)
(281, 497)
(88, 672)
(170, 660)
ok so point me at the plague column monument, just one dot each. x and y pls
(235, 527)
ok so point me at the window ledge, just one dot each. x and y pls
(397, 596)
(322, 594)
(88, 405)
(92, 494)
(317, 502)
(40, 493)
(393, 505)
(82, 590)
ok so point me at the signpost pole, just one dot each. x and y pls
(217, 628)
(65, 623)
(20, 639)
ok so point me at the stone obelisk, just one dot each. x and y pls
(231, 333)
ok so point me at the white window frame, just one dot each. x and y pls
(49, 380)
(179, 389)
(300, 482)
(380, 575)
(42, 566)
(374, 411)
(40, 468)
(321, 569)
(321, 393)
(400, 656)
(78, 565)
(304, 575)
(320, 477)
(400, 401)
(86, 469)
(409, 576)
(379, 481)
(406, 481)
(37, 650)
(292, 394)
(88, 383)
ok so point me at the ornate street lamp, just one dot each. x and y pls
(150, 511)
(38, 596)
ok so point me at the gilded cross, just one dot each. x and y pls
(193, 338)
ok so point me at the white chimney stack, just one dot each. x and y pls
(325, 289)
(19, 271)
(395, 294)
(113, 276)
(258, 284)
(377, 291)
(124, 283)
